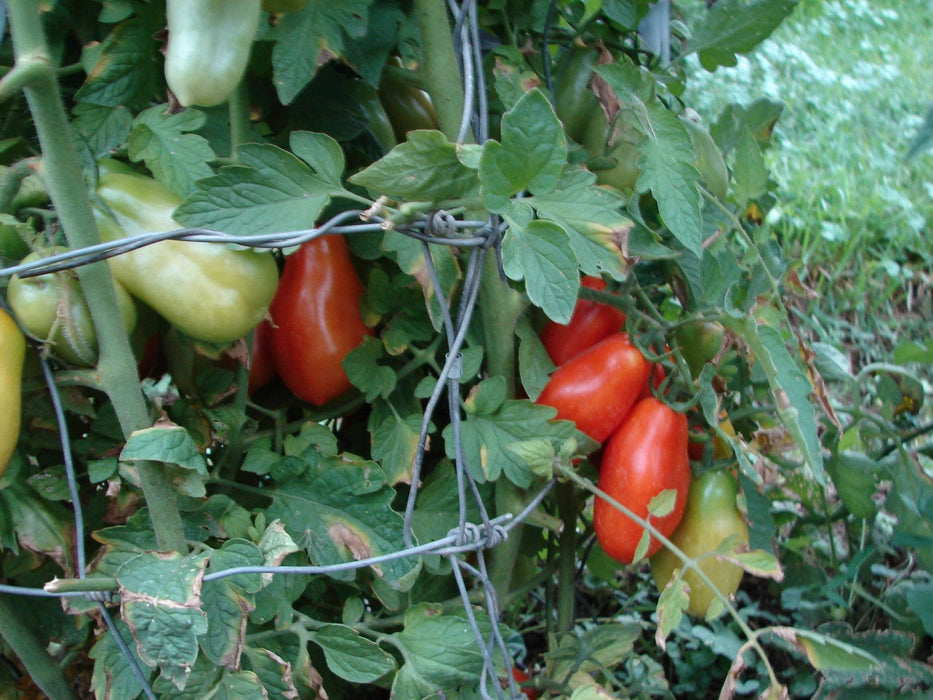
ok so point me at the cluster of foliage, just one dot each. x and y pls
(207, 436)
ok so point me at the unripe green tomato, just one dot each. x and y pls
(408, 107)
(283, 5)
(12, 354)
(208, 48)
(210, 292)
(53, 308)
(624, 151)
(699, 343)
(710, 517)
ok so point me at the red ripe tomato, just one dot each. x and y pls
(590, 323)
(316, 319)
(261, 369)
(645, 456)
(598, 387)
(522, 677)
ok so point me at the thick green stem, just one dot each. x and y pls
(500, 307)
(42, 668)
(441, 72)
(117, 366)
(238, 105)
(567, 507)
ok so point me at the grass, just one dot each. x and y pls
(856, 78)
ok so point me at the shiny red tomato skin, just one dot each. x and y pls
(590, 323)
(522, 677)
(316, 319)
(645, 456)
(597, 388)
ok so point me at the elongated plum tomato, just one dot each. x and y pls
(590, 323)
(710, 517)
(597, 388)
(316, 319)
(645, 456)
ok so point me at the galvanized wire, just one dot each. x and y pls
(436, 228)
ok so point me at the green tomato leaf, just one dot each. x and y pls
(275, 673)
(531, 155)
(127, 71)
(668, 171)
(758, 563)
(228, 601)
(160, 599)
(364, 371)
(239, 685)
(437, 511)
(202, 682)
(424, 169)
(339, 510)
(537, 454)
(749, 173)
(540, 253)
(367, 56)
(308, 39)
(441, 650)
(534, 364)
(100, 128)
(672, 603)
(735, 27)
(268, 191)
(488, 434)
(663, 503)
(826, 653)
(790, 387)
(590, 215)
(351, 656)
(395, 444)
(322, 153)
(169, 444)
(594, 649)
(113, 677)
(176, 158)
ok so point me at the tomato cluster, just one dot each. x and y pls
(602, 384)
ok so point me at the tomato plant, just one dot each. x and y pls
(522, 677)
(645, 456)
(597, 388)
(591, 322)
(422, 150)
(710, 517)
(316, 319)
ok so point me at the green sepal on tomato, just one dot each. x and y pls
(590, 323)
(645, 456)
(597, 388)
(210, 292)
(52, 308)
(208, 48)
(12, 356)
(316, 319)
(711, 515)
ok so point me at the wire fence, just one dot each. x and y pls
(438, 228)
